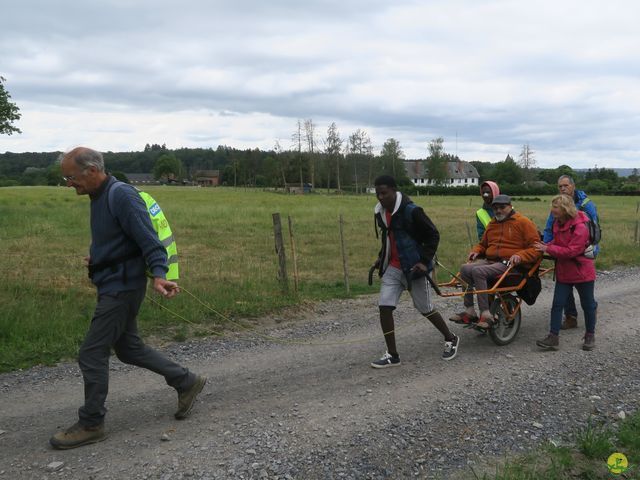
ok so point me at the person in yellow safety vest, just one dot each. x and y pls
(488, 190)
(161, 225)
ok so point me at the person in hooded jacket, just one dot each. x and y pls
(573, 269)
(409, 243)
(488, 191)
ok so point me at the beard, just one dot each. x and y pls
(500, 217)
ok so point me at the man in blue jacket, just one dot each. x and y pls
(566, 186)
(409, 242)
(123, 246)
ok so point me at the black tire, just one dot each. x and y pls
(504, 332)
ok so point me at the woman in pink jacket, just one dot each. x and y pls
(573, 269)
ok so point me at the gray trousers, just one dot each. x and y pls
(477, 274)
(114, 326)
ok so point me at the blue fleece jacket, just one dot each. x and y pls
(120, 231)
(589, 208)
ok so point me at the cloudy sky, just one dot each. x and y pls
(487, 76)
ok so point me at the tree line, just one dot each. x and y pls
(324, 161)
(332, 163)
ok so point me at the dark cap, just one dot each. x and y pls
(501, 200)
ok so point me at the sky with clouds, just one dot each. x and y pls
(487, 76)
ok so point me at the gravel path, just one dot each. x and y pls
(294, 411)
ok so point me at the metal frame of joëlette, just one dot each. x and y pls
(456, 282)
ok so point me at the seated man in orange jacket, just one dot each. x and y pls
(508, 239)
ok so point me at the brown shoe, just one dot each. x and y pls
(187, 398)
(589, 342)
(463, 318)
(569, 321)
(550, 342)
(77, 435)
(486, 321)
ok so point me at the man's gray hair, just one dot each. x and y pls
(85, 158)
(568, 177)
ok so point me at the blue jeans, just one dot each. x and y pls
(570, 306)
(562, 293)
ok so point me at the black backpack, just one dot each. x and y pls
(595, 232)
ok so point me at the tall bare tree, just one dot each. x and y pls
(310, 138)
(282, 162)
(527, 161)
(333, 149)
(297, 139)
(358, 148)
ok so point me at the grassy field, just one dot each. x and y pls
(226, 246)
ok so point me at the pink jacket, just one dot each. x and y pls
(567, 246)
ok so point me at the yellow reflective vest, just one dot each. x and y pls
(161, 226)
(483, 216)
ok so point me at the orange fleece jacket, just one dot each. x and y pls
(514, 236)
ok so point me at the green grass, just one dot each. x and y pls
(594, 442)
(227, 257)
(586, 459)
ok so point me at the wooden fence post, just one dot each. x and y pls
(344, 256)
(636, 233)
(282, 260)
(469, 234)
(293, 253)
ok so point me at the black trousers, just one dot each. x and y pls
(114, 326)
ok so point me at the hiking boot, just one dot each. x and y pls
(77, 435)
(387, 360)
(451, 348)
(589, 342)
(187, 398)
(550, 342)
(569, 321)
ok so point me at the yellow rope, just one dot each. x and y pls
(261, 335)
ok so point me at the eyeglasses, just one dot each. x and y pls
(500, 207)
(71, 178)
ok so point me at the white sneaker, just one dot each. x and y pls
(451, 348)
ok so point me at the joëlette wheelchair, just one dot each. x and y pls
(506, 295)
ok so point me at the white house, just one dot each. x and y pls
(459, 174)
